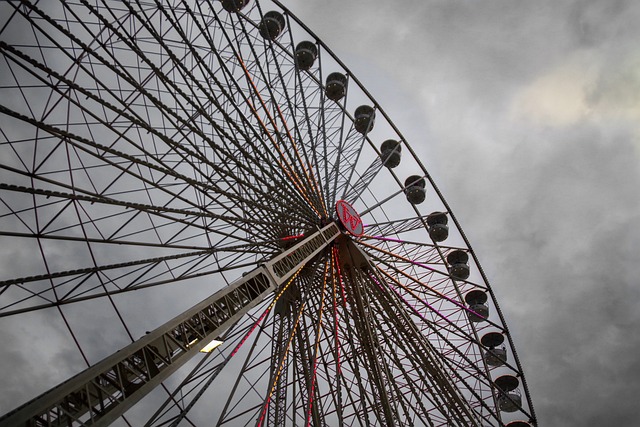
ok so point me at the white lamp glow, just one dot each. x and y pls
(211, 346)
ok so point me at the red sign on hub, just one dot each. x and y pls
(349, 218)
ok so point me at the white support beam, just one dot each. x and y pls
(103, 392)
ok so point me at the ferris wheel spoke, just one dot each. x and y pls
(355, 385)
(75, 284)
(361, 405)
(422, 287)
(334, 128)
(429, 272)
(407, 364)
(390, 328)
(199, 66)
(382, 406)
(378, 362)
(304, 374)
(235, 56)
(441, 375)
(252, 398)
(85, 145)
(448, 388)
(234, 180)
(329, 400)
(353, 190)
(101, 198)
(440, 301)
(378, 205)
(396, 227)
(417, 256)
(330, 122)
(331, 350)
(231, 91)
(415, 365)
(306, 105)
(442, 308)
(291, 163)
(339, 302)
(426, 253)
(353, 183)
(144, 237)
(53, 198)
(314, 402)
(309, 94)
(438, 323)
(252, 111)
(296, 159)
(409, 391)
(422, 263)
(270, 87)
(293, 118)
(340, 173)
(462, 369)
(180, 233)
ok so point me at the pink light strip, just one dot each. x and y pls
(255, 325)
(297, 236)
(415, 310)
(429, 305)
(419, 264)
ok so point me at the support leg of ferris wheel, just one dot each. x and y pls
(103, 392)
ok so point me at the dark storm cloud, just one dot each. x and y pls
(567, 275)
(532, 113)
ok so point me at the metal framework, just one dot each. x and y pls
(153, 153)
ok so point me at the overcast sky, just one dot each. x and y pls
(528, 117)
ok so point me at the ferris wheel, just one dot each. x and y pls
(207, 220)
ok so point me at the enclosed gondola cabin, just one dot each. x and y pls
(390, 152)
(306, 54)
(437, 224)
(336, 86)
(414, 189)
(364, 117)
(494, 355)
(272, 25)
(509, 399)
(518, 424)
(234, 6)
(510, 402)
(476, 302)
(458, 265)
